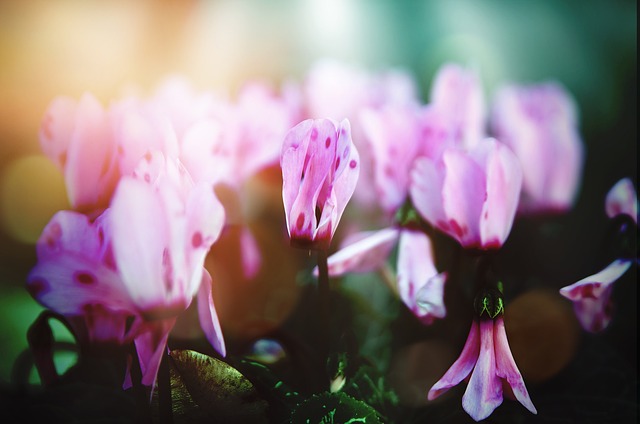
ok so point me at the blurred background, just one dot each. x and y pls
(68, 47)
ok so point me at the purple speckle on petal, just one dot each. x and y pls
(314, 134)
(147, 178)
(84, 277)
(353, 164)
(37, 287)
(337, 162)
(327, 142)
(196, 239)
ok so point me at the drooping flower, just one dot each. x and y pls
(419, 285)
(591, 296)
(320, 167)
(486, 356)
(142, 257)
(470, 195)
(540, 124)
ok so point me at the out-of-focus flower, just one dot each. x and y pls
(622, 199)
(540, 124)
(591, 296)
(419, 284)
(456, 93)
(143, 257)
(320, 167)
(486, 356)
(470, 195)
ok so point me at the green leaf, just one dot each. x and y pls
(203, 386)
(330, 408)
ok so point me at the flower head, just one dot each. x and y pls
(591, 296)
(143, 258)
(320, 167)
(470, 195)
(539, 123)
(486, 356)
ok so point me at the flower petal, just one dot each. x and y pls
(57, 128)
(506, 366)
(427, 178)
(484, 391)
(591, 295)
(416, 272)
(151, 345)
(462, 367)
(208, 316)
(365, 255)
(622, 199)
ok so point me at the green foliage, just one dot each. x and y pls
(330, 408)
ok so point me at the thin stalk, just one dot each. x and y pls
(164, 390)
(323, 305)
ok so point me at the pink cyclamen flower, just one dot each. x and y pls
(486, 356)
(143, 257)
(457, 94)
(471, 196)
(419, 284)
(320, 167)
(540, 124)
(591, 296)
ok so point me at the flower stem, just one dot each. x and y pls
(164, 390)
(323, 304)
(140, 393)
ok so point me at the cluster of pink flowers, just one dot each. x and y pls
(142, 176)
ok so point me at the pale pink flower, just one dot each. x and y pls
(486, 356)
(540, 124)
(591, 296)
(622, 199)
(470, 195)
(142, 258)
(320, 167)
(419, 285)
(456, 92)
(78, 138)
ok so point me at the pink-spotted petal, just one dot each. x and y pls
(205, 220)
(364, 255)
(292, 162)
(345, 183)
(57, 128)
(69, 231)
(462, 367)
(622, 199)
(141, 241)
(591, 296)
(208, 316)
(506, 366)
(206, 153)
(484, 391)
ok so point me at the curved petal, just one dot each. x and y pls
(427, 178)
(591, 295)
(208, 316)
(484, 391)
(506, 366)
(622, 199)
(464, 193)
(57, 128)
(140, 239)
(462, 367)
(429, 303)
(346, 181)
(504, 181)
(415, 271)
(151, 345)
(364, 255)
